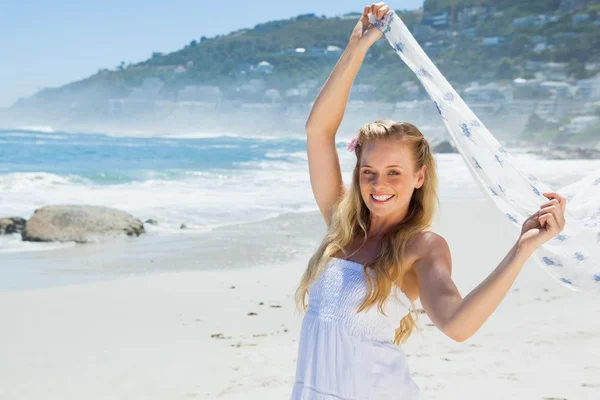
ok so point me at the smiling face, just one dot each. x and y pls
(387, 177)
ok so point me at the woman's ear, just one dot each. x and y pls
(421, 177)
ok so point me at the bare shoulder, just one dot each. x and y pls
(430, 248)
(425, 251)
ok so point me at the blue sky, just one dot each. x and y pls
(47, 43)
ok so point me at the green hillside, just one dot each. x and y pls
(485, 44)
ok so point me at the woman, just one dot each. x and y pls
(378, 255)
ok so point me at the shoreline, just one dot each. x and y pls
(233, 246)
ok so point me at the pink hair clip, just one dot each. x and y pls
(353, 144)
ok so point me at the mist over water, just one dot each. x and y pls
(202, 181)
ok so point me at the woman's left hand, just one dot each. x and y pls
(545, 224)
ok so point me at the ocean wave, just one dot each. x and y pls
(34, 135)
(36, 128)
(23, 181)
(14, 244)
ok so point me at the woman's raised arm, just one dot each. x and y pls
(328, 110)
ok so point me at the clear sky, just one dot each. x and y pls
(48, 43)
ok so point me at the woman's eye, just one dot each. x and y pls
(394, 173)
(366, 171)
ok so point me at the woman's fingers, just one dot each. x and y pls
(382, 11)
(378, 9)
(555, 214)
(554, 210)
(548, 221)
(550, 203)
(561, 200)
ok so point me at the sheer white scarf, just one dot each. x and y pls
(572, 257)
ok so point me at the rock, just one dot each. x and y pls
(79, 223)
(444, 147)
(11, 225)
(151, 222)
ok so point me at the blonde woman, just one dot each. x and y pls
(378, 255)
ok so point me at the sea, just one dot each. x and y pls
(202, 181)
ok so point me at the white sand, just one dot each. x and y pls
(149, 337)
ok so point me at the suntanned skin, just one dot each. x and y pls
(387, 168)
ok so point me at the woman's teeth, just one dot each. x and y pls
(382, 198)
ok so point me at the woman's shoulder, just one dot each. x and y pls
(423, 242)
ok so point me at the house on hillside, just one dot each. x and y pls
(556, 71)
(333, 51)
(264, 68)
(297, 51)
(492, 41)
(489, 92)
(469, 32)
(556, 90)
(525, 88)
(534, 21)
(589, 88)
(441, 20)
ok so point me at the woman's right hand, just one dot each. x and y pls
(364, 31)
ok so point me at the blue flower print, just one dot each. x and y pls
(513, 219)
(385, 24)
(439, 109)
(502, 150)
(501, 188)
(596, 277)
(550, 261)
(496, 194)
(476, 163)
(532, 178)
(449, 97)
(466, 131)
(561, 237)
(596, 182)
(422, 72)
(567, 281)
(475, 123)
(578, 256)
(399, 47)
(536, 191)
(500, 161)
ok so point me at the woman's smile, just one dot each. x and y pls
(381, 198)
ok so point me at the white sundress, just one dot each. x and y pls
(345, 355)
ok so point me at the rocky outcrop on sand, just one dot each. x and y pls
(79, 223)
(11, 225)
(444, 147)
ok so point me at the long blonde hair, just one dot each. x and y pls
(351, 217)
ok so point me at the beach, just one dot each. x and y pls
(213, 317)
